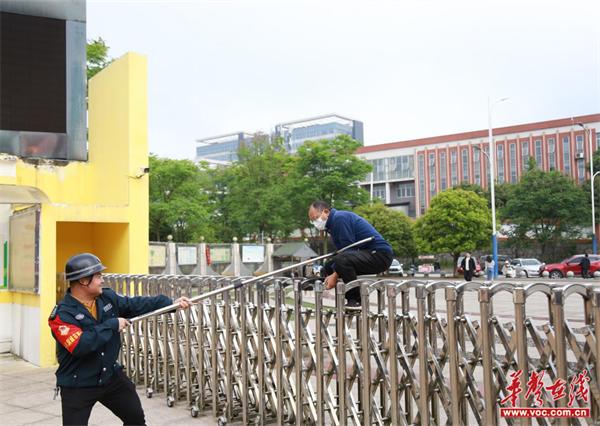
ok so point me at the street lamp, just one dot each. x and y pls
(592, 174)
(492, 158)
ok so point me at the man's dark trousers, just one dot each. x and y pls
(119, 396)
(349, 264)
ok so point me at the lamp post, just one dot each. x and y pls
(593, 175)
(492, 158)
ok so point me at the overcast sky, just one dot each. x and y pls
(407, 69)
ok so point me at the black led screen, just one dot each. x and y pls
(32, 74)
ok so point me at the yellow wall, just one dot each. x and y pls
(99, 205)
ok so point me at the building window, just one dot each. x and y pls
(453, 168)
(421, 166)
(379, 192)
(524, 155)
(500, 162)
(443, 171)
(486, 163)
(432, 175)
(513, 162)
(551, 154)
(538, 152)
(579, 144)
(579, 158)
(566, 146)
(401, 167)
(406, 190)
(465, 165)
(477, 166)
(379, 169)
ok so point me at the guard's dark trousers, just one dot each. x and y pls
(119, 396)
(349, 264)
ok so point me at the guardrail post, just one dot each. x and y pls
(366, 355)
(318, 289)
(341, 350)
(456, 403)
(423, 362)
(298, 362)
(560, 349)
(486, 343)
(393, 355)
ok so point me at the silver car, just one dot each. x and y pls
(527, 267)
(396, 268)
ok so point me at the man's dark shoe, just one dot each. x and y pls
(353, 305)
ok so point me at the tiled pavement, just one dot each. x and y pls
(26, 393)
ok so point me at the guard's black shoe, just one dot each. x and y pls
(353, 305)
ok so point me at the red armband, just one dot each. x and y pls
(67, 334)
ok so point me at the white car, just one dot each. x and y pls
(396, 268)
(526, 267)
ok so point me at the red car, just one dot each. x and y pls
(559, 270)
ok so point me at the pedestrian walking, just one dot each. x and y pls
(468, 266)
(489, 268)
(345, 228)
(86, 325)
(585, 266)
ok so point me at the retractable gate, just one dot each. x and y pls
(416, 353)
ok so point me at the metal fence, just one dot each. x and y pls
(418, 352)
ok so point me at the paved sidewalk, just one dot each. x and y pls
(26, 393)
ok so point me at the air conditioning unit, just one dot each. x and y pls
(579, 156)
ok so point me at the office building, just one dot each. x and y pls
(222, 150)
(408, 174)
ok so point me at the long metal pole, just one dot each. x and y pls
(491, 157)
(248, 281)
(591, 154)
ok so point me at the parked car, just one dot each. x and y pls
(396, 268)
(528, 267)
(478, 272)
(572, 264)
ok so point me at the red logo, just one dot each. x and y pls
(578, 391)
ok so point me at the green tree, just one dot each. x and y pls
(254, 199)
(394, 226)
(179, 205)
(471, 187)
(97, 56)
(546, 206)
(327, 170)
(457, 221)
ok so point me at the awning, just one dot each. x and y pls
(299, 250)
(17, 194)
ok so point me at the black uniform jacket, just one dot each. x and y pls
(86, 348)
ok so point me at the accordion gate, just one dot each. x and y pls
(259, 355)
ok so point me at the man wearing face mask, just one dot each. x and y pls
(345, 228)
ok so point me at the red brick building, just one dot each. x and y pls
(408, 174)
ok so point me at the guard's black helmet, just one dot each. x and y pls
(83, 265)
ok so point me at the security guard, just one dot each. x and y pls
(86, 326)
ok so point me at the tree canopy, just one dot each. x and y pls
(546, 206)
(179, 206)
(395, 226)
(457, 221)
(97, 56)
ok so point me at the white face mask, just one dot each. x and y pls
(319, 224)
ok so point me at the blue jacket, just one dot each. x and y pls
(86, 348)
(346, 228)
